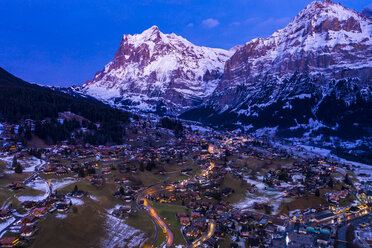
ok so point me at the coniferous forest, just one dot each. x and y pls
(20, 100)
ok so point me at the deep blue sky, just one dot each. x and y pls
(64, 42)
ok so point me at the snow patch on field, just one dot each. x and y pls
(120, 235)
(29, 164)
(94, 198)
(76, 201)
(61, 216)
(39, 184)
(58, 184)
(273, 198)
(32, 198)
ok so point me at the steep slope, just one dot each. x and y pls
(21, 100)
(153, 71)
(324, 41)
(311, 79)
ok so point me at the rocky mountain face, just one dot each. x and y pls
(324, 41)
(311, 79)
(159, 72)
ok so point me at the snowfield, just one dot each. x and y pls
(75, 201)
(120, 235)
(59, 184)
(274, 198)
(29, 164)
(42, 185)
(61, 216)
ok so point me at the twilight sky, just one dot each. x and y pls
(65, 42)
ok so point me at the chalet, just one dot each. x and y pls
(200, 223)
(122, 211)
(195, 215)
(5, 213)
(206, 205)
(343, 193)
(61, 172)
(16, 185)
(324, 217)
(220, 209)
(27, 231)
(78, 193)
(195, 195)
(49, 169)
(244, 232)
(47, 203)
(9, 242)
(236, 216)
(227, 191)
(27, 205)
(192, 231)
(106, 170)
(208, 195)
(57, 197)
(62, 207)
(40, 211)
(29, 220)
(185, 221)
(74, 167)
(280, 224)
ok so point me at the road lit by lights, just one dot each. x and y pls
(159, 221)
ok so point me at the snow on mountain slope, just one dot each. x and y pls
(324, 40)
(152, 70)
(318, 69)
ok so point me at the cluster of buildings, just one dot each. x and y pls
(208, 215)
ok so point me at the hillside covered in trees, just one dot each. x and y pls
(20, 100)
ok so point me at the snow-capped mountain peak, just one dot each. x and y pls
(153, 68)
(316, 69)
(324, 38)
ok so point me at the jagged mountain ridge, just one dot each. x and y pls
(310, 79)
(152, 69)
(324, 41)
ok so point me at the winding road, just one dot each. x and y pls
(159, 223)
(156, 219)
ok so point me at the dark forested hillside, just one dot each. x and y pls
(20, 100)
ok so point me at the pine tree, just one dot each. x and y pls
(15, 162)
(81, 172)
(317, 192)
(18, 169)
